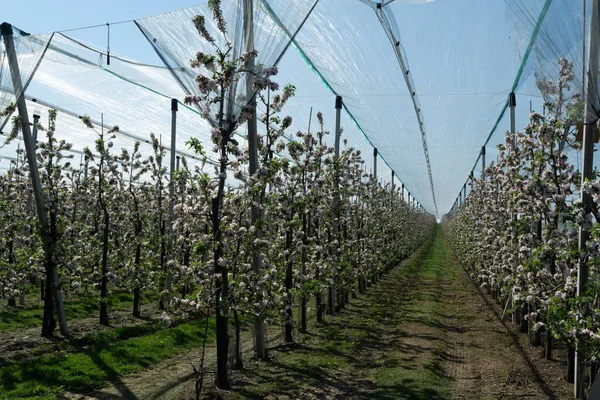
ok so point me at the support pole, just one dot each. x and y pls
(591, 97)
(375, 163)
(260, 348)
(512, 104)
(482, 162)
(47, 241)
(34, 131)
(174, 107)
(336, 205)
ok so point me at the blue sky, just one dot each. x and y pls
(39, 16)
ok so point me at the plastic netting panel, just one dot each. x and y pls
(29, 49)
(133, 96)
(176, 40)
(563, 29)
(461, 68)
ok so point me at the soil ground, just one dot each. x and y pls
(424, 331)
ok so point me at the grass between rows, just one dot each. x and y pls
(30, 316)
(101, 357)
(388, 344)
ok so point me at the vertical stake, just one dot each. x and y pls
(259, 325)
(591, 97)
(375, 163)
(174, 109)
(7, 32)
(483, 162)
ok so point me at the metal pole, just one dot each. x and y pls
(403, 192)
(7, 32)
(512, 103)
(259, 324)
(174, 108)
(482, 162)
(336, 205)
(375, 163)
(587, 169)
(34, 132)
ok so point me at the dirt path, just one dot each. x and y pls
(423, 332)
(492, 360)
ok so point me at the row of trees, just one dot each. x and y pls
(517, 232)
(306, 223)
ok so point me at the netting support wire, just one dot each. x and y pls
(375, 163)
(174, 109)
(7, 32)
(260, 348)
(405, 72)
(587, 171)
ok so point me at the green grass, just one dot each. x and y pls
(13, 318)
(105, 356)
(389, 344)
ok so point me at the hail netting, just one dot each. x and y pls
(560, 35)
(176, 40)
(29, 50)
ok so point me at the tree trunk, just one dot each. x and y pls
(104, 277)
(570, 364)
(11, 300)
(319, 303)
(137, 261)
(289, 318)
(303, 321)
(221, 293)
(238, 363)
(548, 345)
(48, 323)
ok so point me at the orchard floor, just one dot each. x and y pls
(424, 331)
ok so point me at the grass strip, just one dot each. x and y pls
(107, 359)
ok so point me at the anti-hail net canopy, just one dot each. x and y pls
(425, 82)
